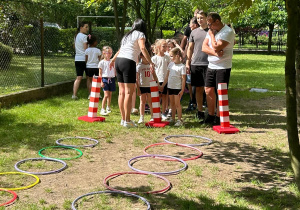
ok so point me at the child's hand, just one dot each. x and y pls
(180, 93)
(102, 84)
(160, 88)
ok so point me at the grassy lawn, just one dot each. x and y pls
(25, 72)
(247, 170)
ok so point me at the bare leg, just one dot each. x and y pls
(173, 107)
(105, 99)
(121, 99)
(178, 107)
(199, 98)
(211, 100)
(109, 98)
(76, 85)
(129, 89)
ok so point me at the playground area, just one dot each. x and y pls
(246, 170)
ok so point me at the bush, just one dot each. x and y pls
(168, 34)
(6, 55)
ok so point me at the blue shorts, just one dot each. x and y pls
(188, 79)
(109, 84)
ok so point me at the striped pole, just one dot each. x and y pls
(155, 102)
(224, 126)
(155, 107)
(94, 102)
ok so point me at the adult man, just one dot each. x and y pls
(218, 44)
(197, 62)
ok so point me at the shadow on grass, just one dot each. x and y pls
(15, 135)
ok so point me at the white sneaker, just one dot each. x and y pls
(171, 120)
(170, 113)
(108, 110)
(141, 120)
(122, 122)
(179, 123)
(164, 117)
(103, 112)
(129, 124)
(151, 120)
(134, 111)
(74, 97)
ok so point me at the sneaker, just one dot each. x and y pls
(179, 123)
(208, 120)
(122, 122)
(103, 112)
(134, 111)
(108, 110)
(74, 97)
(147, 108)
(164, 117)
(200, 115)
(141, 120)
(171, 120)
(189, 108)
(170, 113)
(217, 121)
(151, 120)
(129, 124)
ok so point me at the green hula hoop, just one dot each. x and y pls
(80, 152)
(21, 188)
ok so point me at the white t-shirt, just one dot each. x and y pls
(79, 47)
(106, 72)
(224, 62)
(129, 46)
(145, 74)
(93, 54)
(175, 75)
(161, 66)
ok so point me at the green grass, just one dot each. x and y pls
(255, 160)
(25, 72)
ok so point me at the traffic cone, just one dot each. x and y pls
(155, 107)
(225, 126)
(94, 101)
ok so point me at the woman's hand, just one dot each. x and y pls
(180, 93)
(102, 84)
(152, 67)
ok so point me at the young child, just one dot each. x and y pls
(143, 78)
(175, 78)
(161, 61)
(108, 79)
(92, 58)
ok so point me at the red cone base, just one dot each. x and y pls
(225, 130)
(157, 124)
(91, 119)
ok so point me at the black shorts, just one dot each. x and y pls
(145, 90)
(80, 68)
(215, 76)
(165, 90)
(126, 70)
(173, 91)
(92, 71)
(198, 75)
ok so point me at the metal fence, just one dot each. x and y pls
(23, 65)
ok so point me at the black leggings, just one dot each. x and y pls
(126, 70)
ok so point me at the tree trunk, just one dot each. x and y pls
(115, 4)
(290, 83)
(298, 72)
(271, 28)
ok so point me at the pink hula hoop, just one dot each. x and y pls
(181, 145)
(10, 201)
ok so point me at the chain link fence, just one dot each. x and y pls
(22, 65)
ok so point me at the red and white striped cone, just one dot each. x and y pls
(94, 102)
(225, 126)
(155, 107)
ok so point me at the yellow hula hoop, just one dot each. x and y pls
(21, 188)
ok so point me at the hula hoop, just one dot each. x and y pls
(181, 145)
(158, 173)
(77, 137)
(10, 201)
(112, 192)
(192, 145)
(150, 192)
(21, 188)
(41, 173)
(80, 153)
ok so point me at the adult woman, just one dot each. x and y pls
(80, 40)
(132, 44)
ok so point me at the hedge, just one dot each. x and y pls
(6, 55)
